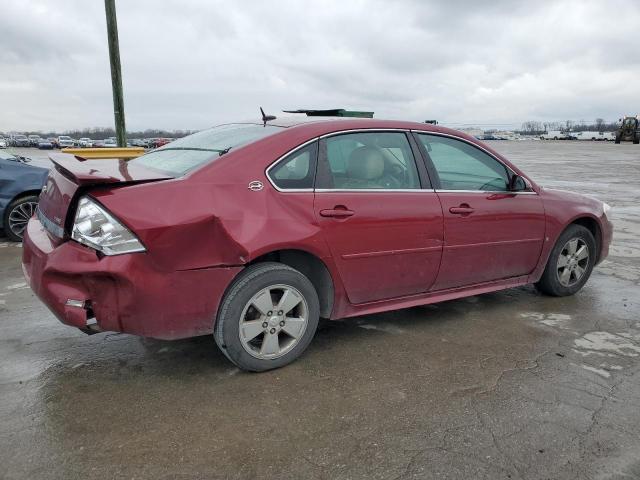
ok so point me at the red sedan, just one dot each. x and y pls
(253, 232)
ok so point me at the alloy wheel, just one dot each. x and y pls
(572, 262)
(19, 217)
(273, 321)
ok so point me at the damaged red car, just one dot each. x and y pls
(252, 232)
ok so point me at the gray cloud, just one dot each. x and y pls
(190, 64)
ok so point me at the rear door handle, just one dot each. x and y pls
(462, 209)
(336, 212)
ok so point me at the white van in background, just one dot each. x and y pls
(555, 135)
(593, 136)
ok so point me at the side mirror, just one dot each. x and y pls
(517, 183)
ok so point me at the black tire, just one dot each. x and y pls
(549, 283)
(248, 283)
(18, 203)
(636, 140)
(617, 138)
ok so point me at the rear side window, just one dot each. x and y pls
(185, 154)
(297, 170)
(368, 160)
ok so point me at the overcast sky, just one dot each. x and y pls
(189, 64)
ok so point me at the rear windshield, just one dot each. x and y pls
(185, 154)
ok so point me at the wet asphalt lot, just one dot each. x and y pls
(504, 385)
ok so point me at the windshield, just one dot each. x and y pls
(185, 154)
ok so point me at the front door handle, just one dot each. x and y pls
(462, 209)
(336, 212)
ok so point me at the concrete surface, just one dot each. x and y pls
(504, 385)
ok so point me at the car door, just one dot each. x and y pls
(490, 233)
(379, 215)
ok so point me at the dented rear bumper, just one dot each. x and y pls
(123, 293)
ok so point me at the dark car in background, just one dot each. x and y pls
(34, 140)
(46, 144)
(20, 186)
(20, 141)
(139, 142)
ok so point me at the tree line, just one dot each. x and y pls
(533, 127)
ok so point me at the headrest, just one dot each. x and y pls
(365, 163)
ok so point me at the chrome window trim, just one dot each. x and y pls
(405, 190)
(357, 190)
(367, 129)
(479, 147)
(282, 157)
(506, 192)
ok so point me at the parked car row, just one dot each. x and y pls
(65, 141)
(150, 142)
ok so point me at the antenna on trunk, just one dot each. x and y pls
(265, 117)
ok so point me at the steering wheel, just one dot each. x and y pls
(399, 173)
(489, 185)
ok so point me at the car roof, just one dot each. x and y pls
(322, 125)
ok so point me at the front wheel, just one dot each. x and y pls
(268, 317)
(570, 262)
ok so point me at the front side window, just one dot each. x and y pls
(297, 170)
(368, 160)
(461, 166)
(180, 156)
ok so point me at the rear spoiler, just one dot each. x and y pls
(97, 172)
(93, 153)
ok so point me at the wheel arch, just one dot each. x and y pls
(26, 193)
(17, 196)
(591, 224)
(312, 267)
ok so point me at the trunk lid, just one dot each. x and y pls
(71, 174)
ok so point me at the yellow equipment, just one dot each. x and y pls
(98, 153)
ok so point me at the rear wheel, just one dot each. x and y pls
(17, 215)
(268, 317)
(570, 262)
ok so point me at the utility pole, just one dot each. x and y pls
(116, 73)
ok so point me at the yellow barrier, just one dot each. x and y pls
(97, 153)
